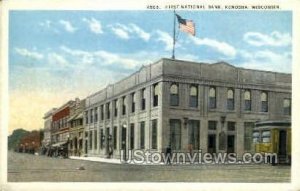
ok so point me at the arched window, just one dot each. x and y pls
(247, 100)
(230, 99)
(193, 96)
(287, 106)
(212, 98)
(264, 101)
(155, 95)
(174, 95)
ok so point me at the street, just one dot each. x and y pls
(26, 168)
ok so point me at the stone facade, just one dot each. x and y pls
(185, 105)
(47, 127)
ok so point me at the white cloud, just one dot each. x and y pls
(166, 39)
(132, 30)
(46, 24)
(31, 54)
(221, 47)
(121, 33)
(57, 60)
(267, 60)
(94, 25)
(274, 39)
(67, 26)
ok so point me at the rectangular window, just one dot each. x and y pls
(102, 112)
(124, 105)
(193, 134)
(175, 134)
(155, 95)
(143, 100)
(107, 111)
(212, 103)
(230, 126)
(287, 106)
(95, 139)
(154, 134)
(248, 135)
(230, 104)
(264, 106)
(115, 137)
(133, 102)
(132, 136)
(116, 108)
(212, 125)
(101, 138)
(91, 115)
(86, 117)
(91, 140)
(142, 135)
(247, 105)
(96, 114)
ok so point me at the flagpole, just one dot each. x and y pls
(173, 51)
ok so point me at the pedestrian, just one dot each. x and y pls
(169, 154)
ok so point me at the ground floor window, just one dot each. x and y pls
(211, 145)
(142, 134)
(248, 135)
(175, 134)
(91, 140)
(193, 134)
(132, 136)
(95, 139)
(154, 134)
(115, 137)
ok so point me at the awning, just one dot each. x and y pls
(59, 144)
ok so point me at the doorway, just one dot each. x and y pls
(211, 143)
(282, 142)
(230, 143)
(123, 142)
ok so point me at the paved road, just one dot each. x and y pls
(26, 167)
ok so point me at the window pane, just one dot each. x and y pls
(174, 100)
(193, 101)
(263, 97)
(193, 134)
(132, 136)
(212, 102)
(175, 134)
(154, 134)
(142, 135)
(230, 104)
(212, 92)
(212, 125)
(247, 105)
(230, 94)
(174, 89)
(193, 91)
(247, 95)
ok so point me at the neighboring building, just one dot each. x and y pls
(47, 128)
(76, 128)
(60, 129)
(31, 142)
(189, 106)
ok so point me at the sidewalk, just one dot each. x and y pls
(112, 161)
(97, 159)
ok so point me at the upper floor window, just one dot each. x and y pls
(124, 105)
(133, 102)
(230, 99)
(174, 95)
(212, 98)
(143, 100)
(107, 110)
(116, 108)
(96, 114)
(193, 96)
(86, 117)
(91, 115)
(247, 100)
(102, 112)
(287, 106)
(155, 95)
(264, 102)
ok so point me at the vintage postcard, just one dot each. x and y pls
(149, 94)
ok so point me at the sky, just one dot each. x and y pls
(55, 56)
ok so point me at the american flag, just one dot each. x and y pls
(187, 26)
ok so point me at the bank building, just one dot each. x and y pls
(186, 105)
